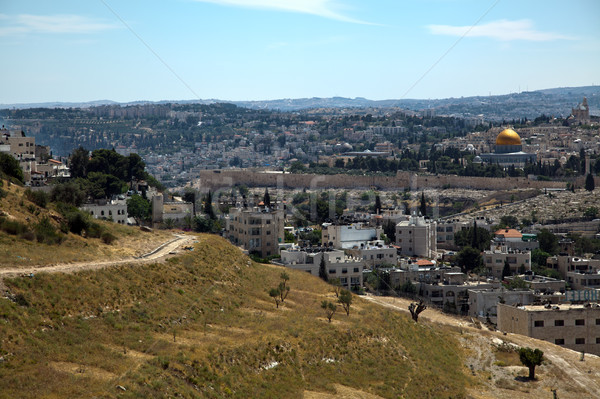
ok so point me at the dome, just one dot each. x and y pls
(508, 137)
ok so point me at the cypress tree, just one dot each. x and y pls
(589, 182)
(322, 269)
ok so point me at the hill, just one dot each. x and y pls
(203, 325)
(20, 217)
(526, 104)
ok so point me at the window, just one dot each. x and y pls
(538, 323)
(559, 323)
(332, 271)
(559, 341)
(344, 270)
(598, 322)
(598, 340)
(579, 341)
(580, 322)
(356, 270)
(344, 280)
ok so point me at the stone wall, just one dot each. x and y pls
(221, 179)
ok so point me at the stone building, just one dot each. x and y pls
(258, 229)
(417, 237)
(576, 327)
(348, 269)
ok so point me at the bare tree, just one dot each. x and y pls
(416, 308)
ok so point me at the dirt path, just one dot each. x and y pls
(562, 369)
(159, 252)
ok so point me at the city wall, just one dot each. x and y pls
(221, 179)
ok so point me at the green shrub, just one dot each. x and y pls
(45, 232)
(12, 227)
(39, 198)
(78, 221)
(108, 238)
(94, 230)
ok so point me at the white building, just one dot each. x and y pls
(111, 210)
(348, 269)
(349, 236)
(417, 237)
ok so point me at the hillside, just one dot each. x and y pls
(203, 325)
(23, 249)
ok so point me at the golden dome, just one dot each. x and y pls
(508, 137)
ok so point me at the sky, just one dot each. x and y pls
(126, 50)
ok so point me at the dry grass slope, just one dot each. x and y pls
(17, 251)
(203, 325)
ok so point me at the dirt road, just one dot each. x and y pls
(159, 252)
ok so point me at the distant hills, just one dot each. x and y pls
(528, 104)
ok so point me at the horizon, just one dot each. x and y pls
(219, 100)
(264, 50)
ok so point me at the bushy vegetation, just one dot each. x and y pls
(9, 168)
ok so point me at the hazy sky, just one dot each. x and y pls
(266, 49)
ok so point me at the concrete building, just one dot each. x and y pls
(115, 210)
(565, 264)
(417, 237)
(512, 239)
(375, 254)
(582, 280)
(483, 302)
(493, 261)
(349, 236)
(348, 269)
(576, 327)
(258, 229)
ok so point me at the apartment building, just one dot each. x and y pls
(349, 236)
(257, 229)
(348, 269)
(493, 261)
(416, 237)
(576, 327)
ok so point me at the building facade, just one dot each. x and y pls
(417, 237)
(258, 229)
(348, 269)
(576, 327)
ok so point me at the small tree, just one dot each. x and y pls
(589, 182)
(322, 269)
(275, 294)
(330, 309)
(337, 286)
(415, 309)
(531, 358)
(283, 288)
(345, 299)
(267, 198)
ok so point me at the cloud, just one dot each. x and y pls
(502, 30)
(321, 8)
(28, 23)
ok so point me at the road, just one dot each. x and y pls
(159, 252)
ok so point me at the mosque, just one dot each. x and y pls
(508, 151)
